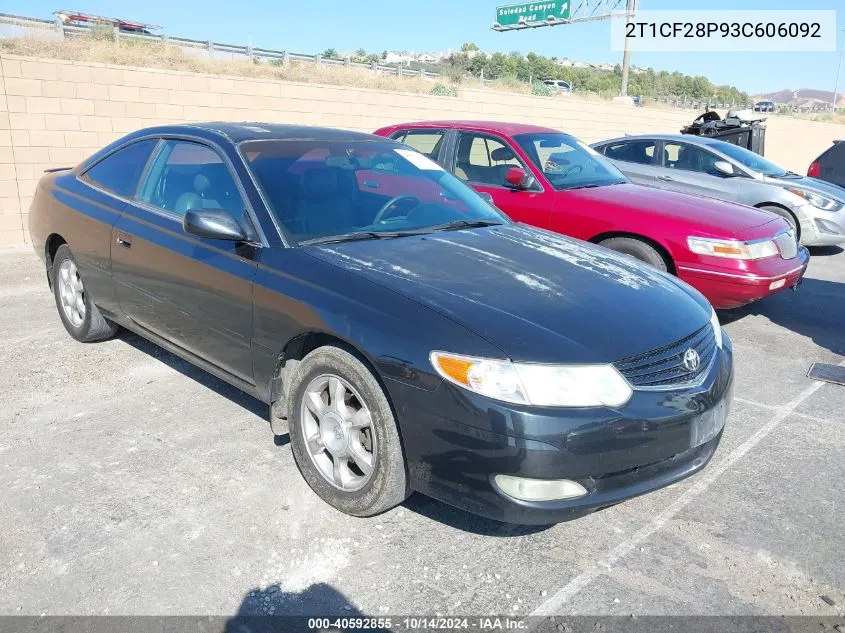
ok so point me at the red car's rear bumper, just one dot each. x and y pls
(726, 288)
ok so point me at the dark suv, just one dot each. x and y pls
(830, 166)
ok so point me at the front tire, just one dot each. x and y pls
(344, 436)
(638, 250)
(81, 318)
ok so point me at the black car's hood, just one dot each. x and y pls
(536, 295)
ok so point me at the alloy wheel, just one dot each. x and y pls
(338, 430)
(71, 293)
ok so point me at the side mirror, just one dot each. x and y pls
(216, 224)
(724, 168)
(517, 178)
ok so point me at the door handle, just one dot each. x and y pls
(124, 240)
(666, 178)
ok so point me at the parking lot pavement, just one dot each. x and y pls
(133, 483)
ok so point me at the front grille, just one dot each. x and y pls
(787, 245)
(664, 367)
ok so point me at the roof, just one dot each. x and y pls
(687, 138)
(251, 131)
(486, 126)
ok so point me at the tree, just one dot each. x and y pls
(361, 52)
(468, 47)
(329, 53)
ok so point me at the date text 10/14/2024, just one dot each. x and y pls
(420, 623)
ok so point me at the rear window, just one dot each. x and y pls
(425, 141)
(641, 152)
(835, 153)
(119, 172)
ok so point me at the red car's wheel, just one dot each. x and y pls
(638, 250)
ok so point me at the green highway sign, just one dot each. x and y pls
(533, 12)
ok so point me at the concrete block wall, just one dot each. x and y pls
(55, 113)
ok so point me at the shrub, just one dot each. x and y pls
(442, 90)
(540, 89)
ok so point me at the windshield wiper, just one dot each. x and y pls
(464, 224)
(590, 186)
(357, 236)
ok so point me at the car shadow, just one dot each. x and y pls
(816, 310)
(260, 608)
(824, 251)
(466, 521)
(207, 380)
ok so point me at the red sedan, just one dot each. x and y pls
(731, 253)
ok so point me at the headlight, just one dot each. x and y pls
(817, 200)
(717, 328)
(535, 384)
(732, 249)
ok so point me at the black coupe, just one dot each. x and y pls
(406, 333)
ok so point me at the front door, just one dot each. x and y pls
(481, 160)
(194, 292)
(689, 168)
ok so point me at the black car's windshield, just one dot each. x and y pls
(567, 162)
(753, 161)
(323, 191)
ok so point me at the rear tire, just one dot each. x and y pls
(638, 250)
(786, 215)
(343, 434)
(81, 318)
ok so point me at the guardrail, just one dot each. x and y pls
(24, 24)
(206, 47)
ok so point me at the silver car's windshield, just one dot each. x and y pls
(753, 161)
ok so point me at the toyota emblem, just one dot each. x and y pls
(691, 360)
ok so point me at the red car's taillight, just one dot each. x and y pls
(814, 169)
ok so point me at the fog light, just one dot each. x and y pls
(827, 227)
(539, 489)
(777, 284)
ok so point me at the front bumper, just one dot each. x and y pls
(821, 228)
(456, 442)
(726, 288)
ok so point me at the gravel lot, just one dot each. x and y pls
(133, 483)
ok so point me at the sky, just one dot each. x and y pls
(311, 26)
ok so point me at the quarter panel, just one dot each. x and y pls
(83, 217)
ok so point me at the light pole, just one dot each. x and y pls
(838, 68)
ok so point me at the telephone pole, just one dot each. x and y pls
(838, 68)
(626, 56)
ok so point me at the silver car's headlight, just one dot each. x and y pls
(732, 249)
(717, 328)
(535, 384)
(817, 200)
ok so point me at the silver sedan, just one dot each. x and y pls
(714, 168)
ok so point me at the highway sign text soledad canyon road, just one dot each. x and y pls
(533, 12)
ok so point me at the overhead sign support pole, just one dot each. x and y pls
(626, 56)
(533, 15)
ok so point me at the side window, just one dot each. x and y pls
(484, 160)
(426, 142)
(185, 176)
(641, 152)
(688, 158)
(119, 172)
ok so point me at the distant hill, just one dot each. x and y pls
(803, 98)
